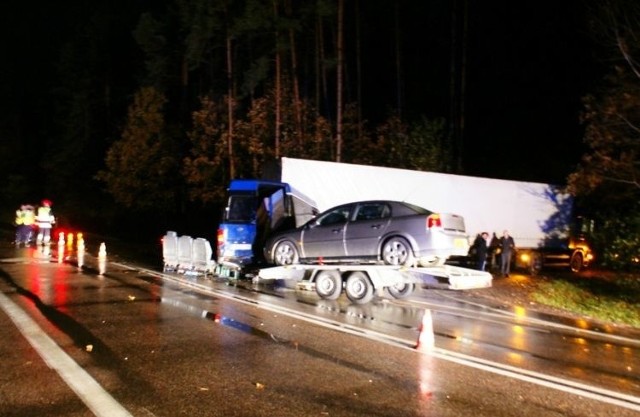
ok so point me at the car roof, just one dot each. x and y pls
(371, 202)
(410, 206)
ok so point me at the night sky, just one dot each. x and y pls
(528, 65)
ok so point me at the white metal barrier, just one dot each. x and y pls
(186, 255)
(185, 246)
(202, 257)
(170, 251)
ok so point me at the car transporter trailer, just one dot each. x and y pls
(361, 282)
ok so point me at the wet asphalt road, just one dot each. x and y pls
(154, 346)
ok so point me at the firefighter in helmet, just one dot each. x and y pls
(45, 221)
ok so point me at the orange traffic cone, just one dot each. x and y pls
(426, 338)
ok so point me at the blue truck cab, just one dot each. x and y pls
(254, 210)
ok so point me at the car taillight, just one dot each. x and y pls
(220, 237)
(434, 221)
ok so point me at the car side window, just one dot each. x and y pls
(372, 211)
(339, 215)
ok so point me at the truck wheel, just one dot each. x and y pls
(576, 262)
(285, 253)
(329, 284)
(397, 251)
(359, 288)
(402, 290)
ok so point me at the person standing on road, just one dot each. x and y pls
(507, 247)
(20, 225)
(494, 246)
(25, 219)
(45, 220)
(480, 245)
(28, 223)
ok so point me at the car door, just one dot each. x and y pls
(369, 223)
(324, 238)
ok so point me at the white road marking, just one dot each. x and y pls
(588, 391)
(99, 401)
(524, 319)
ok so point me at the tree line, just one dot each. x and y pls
(608, 175)
(250, 81)
(213, 90)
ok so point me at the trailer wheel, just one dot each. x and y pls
(397, 251)
(576, 262)
(401, 290)
(359, 288)
(328, 284)
(285, 253)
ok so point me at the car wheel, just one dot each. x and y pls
(576, 262)
(328, 284)
(359, 288)
(397, 251)
(401, 290)
(285, 253)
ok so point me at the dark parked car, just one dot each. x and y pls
(389, 232)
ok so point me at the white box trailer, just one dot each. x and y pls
(538, 216)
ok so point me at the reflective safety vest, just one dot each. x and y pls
(28, 217)
(45, 217)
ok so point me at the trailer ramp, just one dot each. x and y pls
(451, 277)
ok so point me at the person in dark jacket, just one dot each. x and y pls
(494, 250)
(507, 247)
(480, 246)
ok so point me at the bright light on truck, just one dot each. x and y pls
(221, 237)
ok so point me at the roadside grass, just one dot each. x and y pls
(615, 299)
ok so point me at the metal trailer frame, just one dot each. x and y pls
(361, 282)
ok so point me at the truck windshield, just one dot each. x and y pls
(241, 208)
